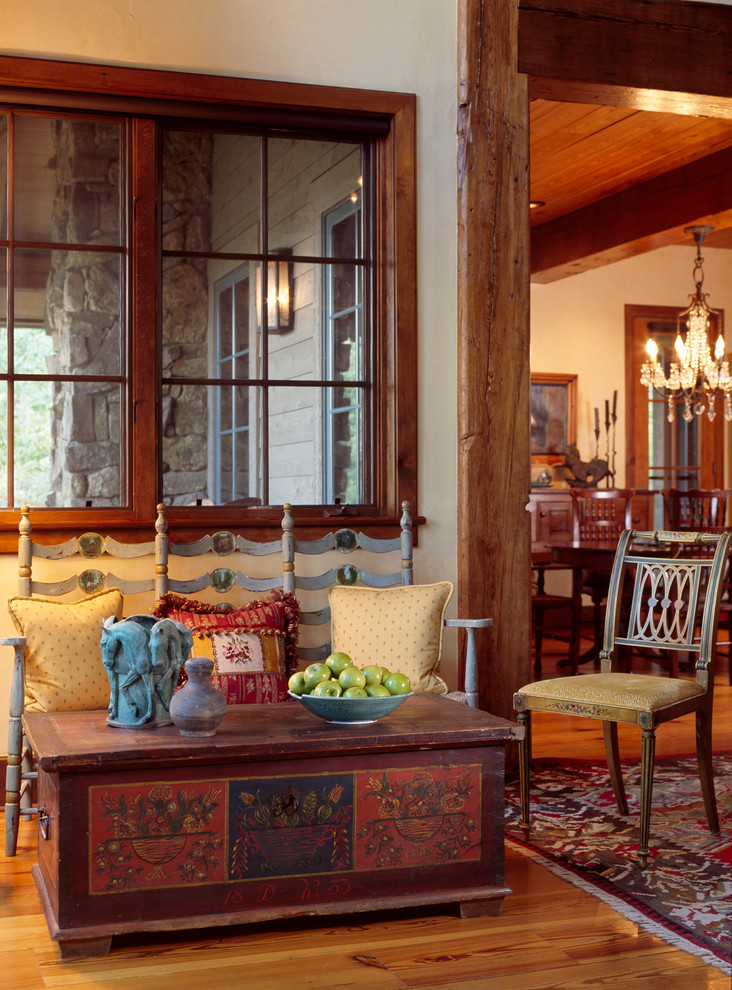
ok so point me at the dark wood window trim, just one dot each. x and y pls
(389, 116)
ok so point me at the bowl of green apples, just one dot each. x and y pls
(340, 692)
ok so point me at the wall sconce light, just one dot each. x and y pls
(280, 292)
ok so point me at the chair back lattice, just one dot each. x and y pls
(697, 509)
(675, 599)
(601, 516)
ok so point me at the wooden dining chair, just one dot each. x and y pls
(668, 610)
(543, 601)
(600, 516)
(709, 510)
(697, 509)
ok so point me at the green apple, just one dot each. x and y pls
(372, 674)
(398, 683)
(352, 677)
(376, 691)
(338, 662)
(297, 683)
(327, 689)
(355, 692)
(314, 674)
(384, 673)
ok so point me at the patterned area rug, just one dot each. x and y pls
(685, 895)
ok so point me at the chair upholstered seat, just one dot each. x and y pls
(640, 692)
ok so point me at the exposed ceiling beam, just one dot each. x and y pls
(642, 218)
(672, 56)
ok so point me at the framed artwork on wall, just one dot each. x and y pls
(553, 402)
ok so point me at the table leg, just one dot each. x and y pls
(483, 907)
(84, 948)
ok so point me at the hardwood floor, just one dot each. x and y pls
(550, 935)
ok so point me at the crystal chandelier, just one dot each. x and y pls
(694, 375)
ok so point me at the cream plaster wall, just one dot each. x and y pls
(407, 46)
(578, 326)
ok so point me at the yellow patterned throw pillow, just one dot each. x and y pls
(399, 628)
(63, 656)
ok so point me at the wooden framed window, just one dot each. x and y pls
(203, 281)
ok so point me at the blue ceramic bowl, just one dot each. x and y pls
(350, 711)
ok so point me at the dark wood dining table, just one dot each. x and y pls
(582, 556)
(590, 555)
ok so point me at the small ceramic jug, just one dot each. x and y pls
(198, 708)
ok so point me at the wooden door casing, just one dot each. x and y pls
(711, 438)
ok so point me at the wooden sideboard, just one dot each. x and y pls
(552, 517)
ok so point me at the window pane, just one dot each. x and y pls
(185, 443)
(346, 364)
(305, 179)
(192, 348)
(343, 286)
(236, 471)
(295, 445)
(67, 444)
(76, 296)
(33, 349)
(345, 453)
(241, 324)
(298, 445)
(33, 443)
(67, 181)
(211, 192)
(224, 312)
(299, 353)
(233, 465)
(207, 450)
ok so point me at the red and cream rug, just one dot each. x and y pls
(685, 894)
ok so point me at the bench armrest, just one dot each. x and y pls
(471, 660)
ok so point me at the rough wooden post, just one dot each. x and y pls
(493, 345)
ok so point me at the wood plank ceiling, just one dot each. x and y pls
(617, 181)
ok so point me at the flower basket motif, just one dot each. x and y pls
(159, 827)
(433, 811)
(306, 829)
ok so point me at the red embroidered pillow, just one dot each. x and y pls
(253, 646)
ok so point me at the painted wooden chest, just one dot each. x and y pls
(278, 814)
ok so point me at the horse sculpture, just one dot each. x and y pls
(170, 645)
(143, 656)
(587, 474)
